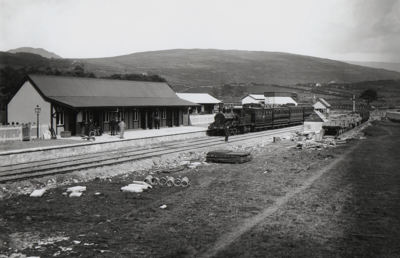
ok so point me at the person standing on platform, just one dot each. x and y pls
(121, 128)
(91, 128)
(157, 120)
(112, 126)
(226, 130)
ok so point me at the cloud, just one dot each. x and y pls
(365, 30)
(375, 30)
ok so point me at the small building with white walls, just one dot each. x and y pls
(313, 123)
(276, 99)
(207, 104)
(322, 106)
(253, 98)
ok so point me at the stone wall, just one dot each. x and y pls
(41, 153)
(14, 133)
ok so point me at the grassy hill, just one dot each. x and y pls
(199, 67)
(38, 51)
(381, 65)
(26, 60)
(227, 74)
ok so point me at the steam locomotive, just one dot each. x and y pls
(253, 117)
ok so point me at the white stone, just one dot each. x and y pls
(38, 192)
(76, 189)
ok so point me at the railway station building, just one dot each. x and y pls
(71, 103)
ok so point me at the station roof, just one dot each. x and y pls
(316, 116)
(255, 96)
(280, 100)
(324, 102)
(199, 98)
(93, 92)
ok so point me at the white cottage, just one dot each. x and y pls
(322, 106)
(313, 123)
(253, 98)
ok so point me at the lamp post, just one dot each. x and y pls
(37, 111)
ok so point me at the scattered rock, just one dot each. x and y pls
(75, 194)
(76, 189)
(134, 188)
(38, 192)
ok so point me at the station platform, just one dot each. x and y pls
(28, 151)
(141, 134)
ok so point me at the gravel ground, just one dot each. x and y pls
(352, 211)
(323, 220)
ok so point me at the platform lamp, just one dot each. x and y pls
(37, 111)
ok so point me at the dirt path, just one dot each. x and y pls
(225, 240)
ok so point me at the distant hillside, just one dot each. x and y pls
(38, 51)
(26, 60)
(381, 65)
(196, 67)
(186, 69)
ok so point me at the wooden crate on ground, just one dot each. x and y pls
(227, 156)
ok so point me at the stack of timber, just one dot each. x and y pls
(393, 115)
(227, 156)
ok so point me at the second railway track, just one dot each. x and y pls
(69, 164)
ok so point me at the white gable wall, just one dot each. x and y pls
(21, 108)
(319, 105)
(248, 99)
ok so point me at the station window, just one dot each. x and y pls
(86, 116)
(164, 114)
(106, 116)
(60, 118)
(135, 115)
(121, 115)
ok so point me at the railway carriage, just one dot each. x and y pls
(261, 118)
(251, 118)
(296, 115)
(280, 117)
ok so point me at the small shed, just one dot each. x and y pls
(207, 104)
(253, 98)
(313, 123)
(322, 106)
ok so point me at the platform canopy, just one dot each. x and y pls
(79, 92)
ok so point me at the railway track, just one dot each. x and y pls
(69, 164)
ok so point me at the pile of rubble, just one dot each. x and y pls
(313, 141)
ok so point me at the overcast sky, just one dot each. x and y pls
(359, 30)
